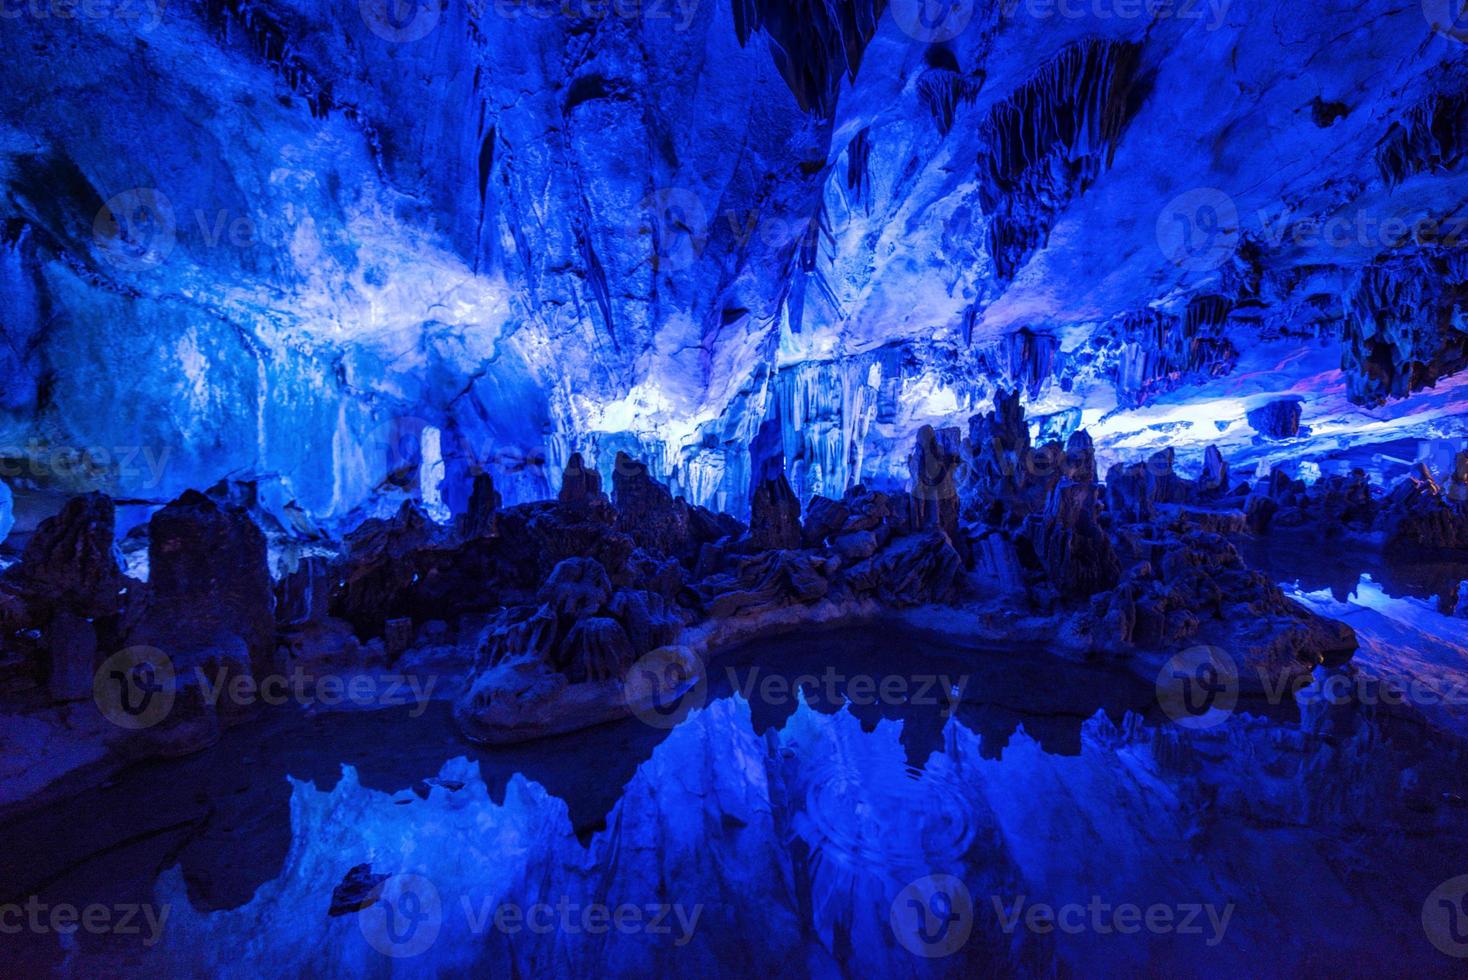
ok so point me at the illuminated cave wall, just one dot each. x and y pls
(297, 243)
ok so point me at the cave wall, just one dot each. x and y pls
(295, 243)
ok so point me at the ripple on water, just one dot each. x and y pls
(887, 816)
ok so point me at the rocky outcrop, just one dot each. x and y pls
(1405, 325)
(484, 501)
(824, 517)
(580, 486)
(209, 584)
(1419, 517)
(914, 570)
(646, 511)
(774, 521)
(70, 563)
(1277, 420)
(1070, 543)
(1194, 588)
(767, 582)
(933, 466)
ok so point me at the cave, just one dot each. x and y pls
(741, 488)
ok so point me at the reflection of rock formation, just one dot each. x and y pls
(801, 851)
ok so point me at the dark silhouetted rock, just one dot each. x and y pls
(914, 570)
(775, 516)
(1277, 420)
(1077, 554)
(484, 504)
(208, 579)
(646, 511)
(358, 890)
(1080, 457)
(1419, 517)
(766, 582)
(1213, 481)
(70, 562)
(933, 488)
(855, 546)
(824, 517)
(580, 485)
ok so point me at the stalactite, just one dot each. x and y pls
(816, 42)
(802, 266)
(1161, 351)
(1027, 359)
(269, 41)
(858, 172)
(1406, 325)
(1431, 137)
(942, 91)
(1049, 141)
